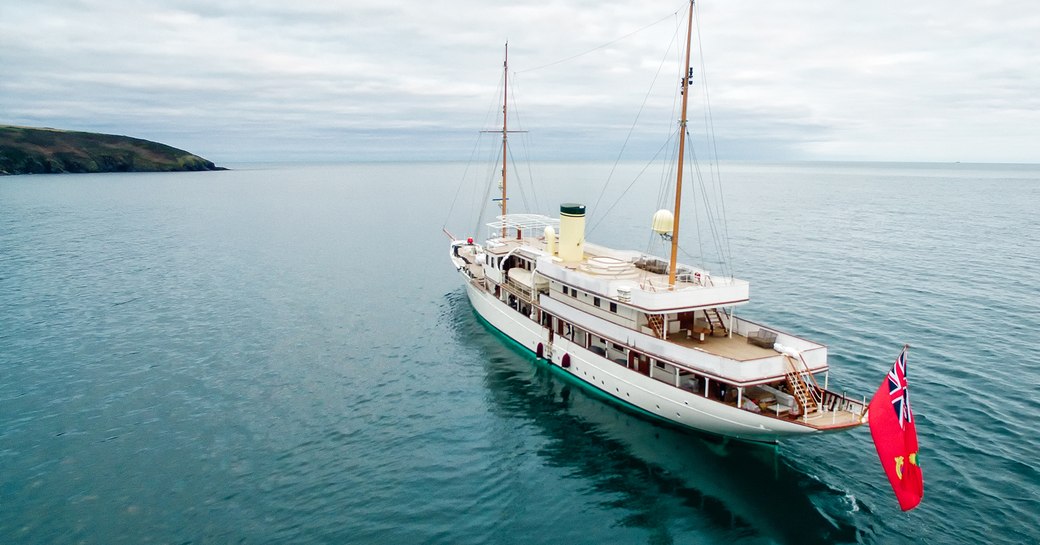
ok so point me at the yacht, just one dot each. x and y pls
(659, 337)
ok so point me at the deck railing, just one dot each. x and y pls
(840, 402)
(518, 289)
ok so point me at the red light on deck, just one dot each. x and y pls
(469, 240)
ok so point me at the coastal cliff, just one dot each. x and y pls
(28, 150)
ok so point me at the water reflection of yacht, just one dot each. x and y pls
(725, 483)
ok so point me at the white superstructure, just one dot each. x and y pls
(609, 319)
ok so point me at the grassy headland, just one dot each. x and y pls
(27, 150)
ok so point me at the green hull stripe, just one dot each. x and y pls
(596, 392)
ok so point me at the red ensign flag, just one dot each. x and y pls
(895, 436)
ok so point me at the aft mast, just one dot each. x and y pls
(685, 78)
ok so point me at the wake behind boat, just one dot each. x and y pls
(651, 333)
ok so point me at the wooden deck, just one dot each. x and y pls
(735, 348)
(832, 420)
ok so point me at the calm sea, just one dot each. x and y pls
(284, 355)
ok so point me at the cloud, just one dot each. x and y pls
(358, 80)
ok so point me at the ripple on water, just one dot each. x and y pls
(211, 358)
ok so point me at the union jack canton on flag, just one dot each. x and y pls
(898, 391)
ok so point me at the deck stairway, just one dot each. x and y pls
(715, 321)
(803, 386)
(657, 324)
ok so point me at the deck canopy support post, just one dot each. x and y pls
(676, 376)
(729, 326)
(706, 382)
(740, 396)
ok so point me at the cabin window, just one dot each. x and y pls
(658, 364)
(613, 307)
(595, 301)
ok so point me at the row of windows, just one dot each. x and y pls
(595, 300)
(644, 363)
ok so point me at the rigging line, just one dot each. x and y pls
(691, 256)
(711, 219)
(526, 151)
(493, 161)
(465, 172)
(517, 181)
(469, 162)
(649, 244)
(525, 141)
(714, 144)
(483, 206)
(695, 172)
(635, 121)
(519, 185)
(634, 180)
(666, 186)
(490, 175)
(598, 47)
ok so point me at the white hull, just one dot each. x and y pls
(627, 386)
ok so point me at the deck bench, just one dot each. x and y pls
(763, 338)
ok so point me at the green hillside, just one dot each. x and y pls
(27, 150)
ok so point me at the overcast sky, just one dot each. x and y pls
(278, 80)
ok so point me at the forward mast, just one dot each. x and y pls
(505, 129)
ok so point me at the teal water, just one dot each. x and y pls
(284, 354)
